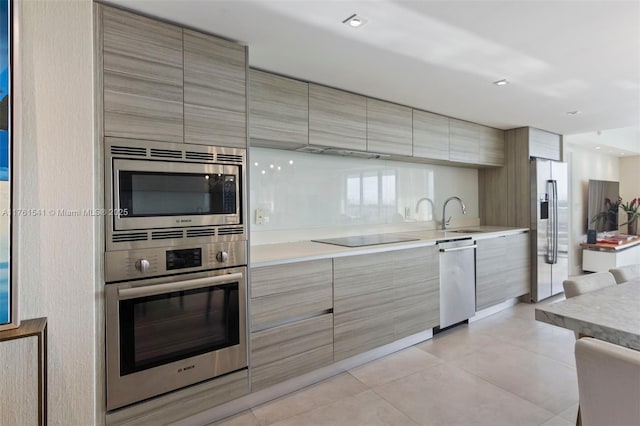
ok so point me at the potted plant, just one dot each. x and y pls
(631, 209)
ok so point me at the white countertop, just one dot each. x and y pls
(275, 254)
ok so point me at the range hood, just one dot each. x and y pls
(341, 151)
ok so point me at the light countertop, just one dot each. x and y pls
(609, 314)
(275, 254)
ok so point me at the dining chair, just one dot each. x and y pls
(586, 283)
(608, 383)
(626, 273)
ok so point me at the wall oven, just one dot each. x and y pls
(183, 323)
(157, 191)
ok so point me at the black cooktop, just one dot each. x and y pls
(365, 240)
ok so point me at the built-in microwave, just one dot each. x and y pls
(160, 191)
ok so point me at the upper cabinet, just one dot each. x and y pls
(214, 91)
(389, 128)
(165, 83)
(430, 135)
(545, 144)
(464, 141)
(337, 118)
(279, 111)
(491, 147)
(475, 144)
(290, 114)
(142, 77)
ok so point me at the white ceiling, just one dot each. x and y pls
(443, 56)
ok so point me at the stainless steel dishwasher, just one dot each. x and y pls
(457, 281)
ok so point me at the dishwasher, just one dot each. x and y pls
(457, 281)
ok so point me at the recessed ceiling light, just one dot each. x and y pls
(502, 82)
(576, 112)
(622, 153)
(597, 147)
(355, 21)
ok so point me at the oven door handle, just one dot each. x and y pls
(152, 290)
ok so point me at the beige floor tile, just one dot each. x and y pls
(556, 343)
(394, 366)
(246, 418)
(364, 409)
(456, 343)
(447, 395)
(324, 393)
(558, 421)
(545, 382)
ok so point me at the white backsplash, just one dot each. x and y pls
(305, 196)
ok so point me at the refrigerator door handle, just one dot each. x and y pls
(554, 185)
(549, 254)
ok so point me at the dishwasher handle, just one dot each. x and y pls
(444, 250)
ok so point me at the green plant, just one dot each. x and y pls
(631, 209)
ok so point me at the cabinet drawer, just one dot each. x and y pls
(285, 292)
(287, 351)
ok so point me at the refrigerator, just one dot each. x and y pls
(549, 227)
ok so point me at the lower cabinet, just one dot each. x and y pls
(382, 297)
(502, 269)
(290, 350)
(291, 321)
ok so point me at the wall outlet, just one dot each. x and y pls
(259, 216)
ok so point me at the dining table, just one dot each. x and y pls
(611, 314)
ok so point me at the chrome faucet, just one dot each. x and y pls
(444, 207)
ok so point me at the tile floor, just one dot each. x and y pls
(506, 369)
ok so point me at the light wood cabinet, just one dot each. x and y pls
(291, 320)
(505, 192)
(545, 144)
(430, 135)
(279, 111)
(382, 297)
(290, 350)
(502, 269)
(464, 141)
(283, 293)
(164, 83)
(417, 285)
(475, 144)
(363, 303)
(337, 119)
(389, 128)
(517, 264)
(491, 150)
(214, 91)
(142, 77)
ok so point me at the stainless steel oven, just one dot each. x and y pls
(159, 191)
(174, 317)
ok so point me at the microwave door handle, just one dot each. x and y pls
(155, 289)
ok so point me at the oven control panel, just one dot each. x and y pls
(151, 262)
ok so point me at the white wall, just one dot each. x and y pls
(57, 255)
(584, 164)
(306, 196)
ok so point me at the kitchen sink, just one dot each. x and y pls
(467, 231)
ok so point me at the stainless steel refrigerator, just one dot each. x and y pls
(549, 227)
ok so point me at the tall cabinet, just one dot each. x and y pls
(165, 83)
(505, 192)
